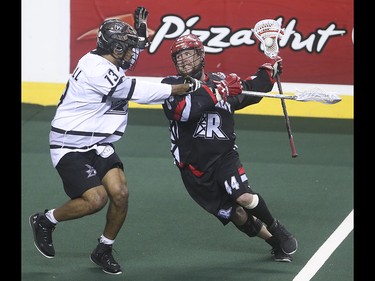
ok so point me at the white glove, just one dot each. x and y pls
(194, 84)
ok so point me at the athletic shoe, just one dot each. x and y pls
(42, 231)
(102, 256)
(280, 256)
(287, 242)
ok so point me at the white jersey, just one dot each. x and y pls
(93, 109)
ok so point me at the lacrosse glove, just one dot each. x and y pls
(273, 67)
(230, 86)
(194, 84)
(140, 25)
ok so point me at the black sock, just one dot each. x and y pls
(261, 212)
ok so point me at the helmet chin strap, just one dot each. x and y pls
(198, 74)
(124, 64)
(121, 62)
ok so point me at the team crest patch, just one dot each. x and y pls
(225, 213)
(90, 171)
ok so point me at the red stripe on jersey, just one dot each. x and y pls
(209, 91)
(178, 112)
(241, 170)
(195, 171)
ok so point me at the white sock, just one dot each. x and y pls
(105, 240)
(51, 217)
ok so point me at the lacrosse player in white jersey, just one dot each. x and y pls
(91, 115)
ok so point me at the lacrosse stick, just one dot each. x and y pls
(268, 32)
(312, 94)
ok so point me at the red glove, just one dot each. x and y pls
(273, 67)
(230, 86)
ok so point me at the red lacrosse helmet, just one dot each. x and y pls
(189, 42)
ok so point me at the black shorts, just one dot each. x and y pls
(217, 190)
(81, 171)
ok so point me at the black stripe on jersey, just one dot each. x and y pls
(54, 146)
(131, 91)
(112, 90)
(81, 133)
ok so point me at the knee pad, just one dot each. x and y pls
(251, 227)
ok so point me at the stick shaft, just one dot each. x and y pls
(286, 117)
(261, 94)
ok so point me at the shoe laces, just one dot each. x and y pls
(283, 230)
(47, 232)
(107, 255)
(279, 229)
(109, 258)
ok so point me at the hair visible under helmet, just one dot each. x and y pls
(189, 42)
(116, 37)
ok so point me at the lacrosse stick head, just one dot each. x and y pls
(317, 94)
(265, 29)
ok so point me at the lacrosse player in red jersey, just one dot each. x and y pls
(92, 114)
(203, 144)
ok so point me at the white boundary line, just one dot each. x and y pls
(324, 252)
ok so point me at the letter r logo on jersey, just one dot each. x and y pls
(208, 127)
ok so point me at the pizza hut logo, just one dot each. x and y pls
(218, 38)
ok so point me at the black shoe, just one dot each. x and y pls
(102, 256)
(280, 256)
(42, 230)
(286, 240)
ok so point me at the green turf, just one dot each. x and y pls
(166, 236)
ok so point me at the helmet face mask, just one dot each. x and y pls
(129, 59)
(117, 38)
(188, 55)
(188, 62)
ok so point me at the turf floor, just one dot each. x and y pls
(166, 236)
